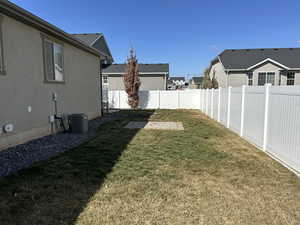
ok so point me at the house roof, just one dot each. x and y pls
(88, 38)
(143, 68)
(28, 18)
(197, 80)
(97, 41)
(247, 58)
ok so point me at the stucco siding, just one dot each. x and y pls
(147, 83)
(23, 86)
(237, 79)
(297, 78)
(220, 74)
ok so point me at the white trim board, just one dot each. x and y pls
(268, 60)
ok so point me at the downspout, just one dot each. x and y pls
(166, 88)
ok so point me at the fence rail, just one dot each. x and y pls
(266, 116)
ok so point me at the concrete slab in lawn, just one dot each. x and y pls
(155, 125)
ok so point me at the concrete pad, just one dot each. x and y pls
(155, 125)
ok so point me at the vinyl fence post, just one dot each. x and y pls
(242, 111)
(200, 94)
(119, 99)
(206, 101)
(158, 99)
(212, 103)
(228, 107)
(219, 105)
(267, 96)
(178, 100)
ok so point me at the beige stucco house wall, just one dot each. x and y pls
(25, 99)
(217, 69)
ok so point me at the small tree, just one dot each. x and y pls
(214, 82)
(207, 83)
(132, 81)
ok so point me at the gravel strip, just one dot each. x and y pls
(22, 156)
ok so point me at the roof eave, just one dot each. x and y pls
(26, 17)
(268, 60)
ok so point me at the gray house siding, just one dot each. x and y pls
(147, 83)
(23, 85)
(239, 78)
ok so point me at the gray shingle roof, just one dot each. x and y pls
(245, 58)
(197, 80)
(95, 40)
(177, 78)
(88, 38)
(143, 68)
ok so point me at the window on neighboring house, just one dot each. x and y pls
(2, 68)
(250, 79)
(105, 79)
(266, 78)
(290, 78)
(53, 61)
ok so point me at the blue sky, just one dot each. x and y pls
(185, 33)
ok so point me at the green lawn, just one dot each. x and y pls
(202, 175)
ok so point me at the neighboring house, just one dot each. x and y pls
(152, 76)
(97, 41)
(195, 82)
(37, 60)
(236, 67)
(176, 83)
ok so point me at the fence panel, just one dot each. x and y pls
(124, 100)
(283, 134)
(149, 99)
(189, 99)
(169, 99)
(235, 109)
(223, 107)
(254, 115)
(215, 104)
(114, 99)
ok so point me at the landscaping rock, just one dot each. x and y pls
(22, 156)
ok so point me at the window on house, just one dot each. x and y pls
(53, 60)
(104, 79)
(266, 78)
(250, 79)
(290, 78)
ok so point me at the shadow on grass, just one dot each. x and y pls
(57, 191)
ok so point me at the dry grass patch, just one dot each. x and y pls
(202, 175)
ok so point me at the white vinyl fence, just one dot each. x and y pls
(266, 116)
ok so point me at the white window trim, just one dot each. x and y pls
(249, 78)
(268, 60)
(107, 83)
(287, 79)
(266, 72)
(53, 41)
